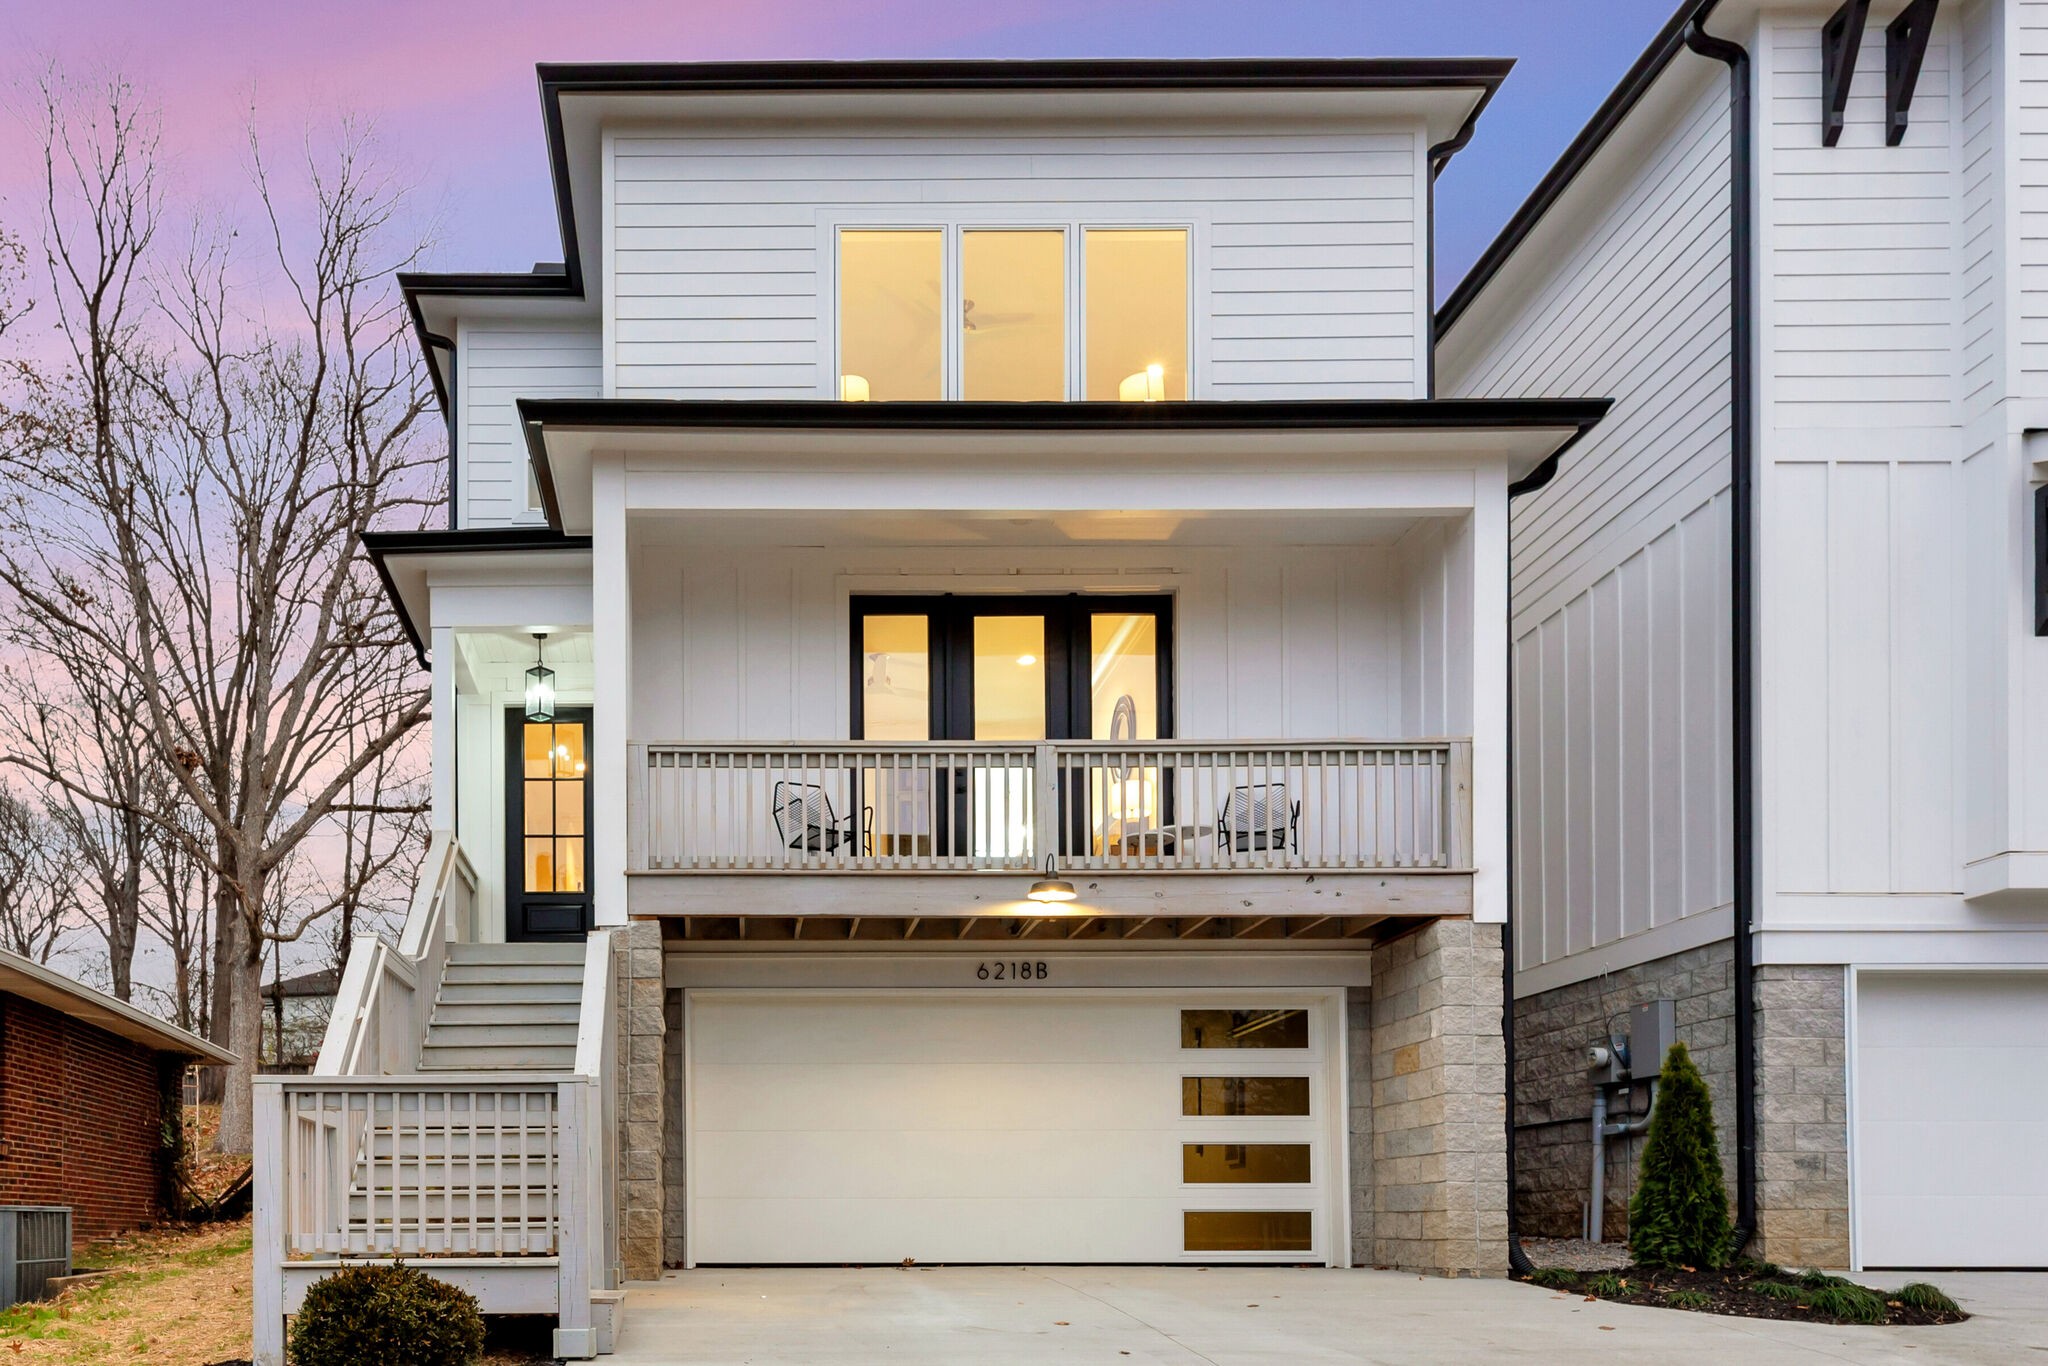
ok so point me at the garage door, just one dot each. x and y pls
(1049, 1127)
(1952, 1119)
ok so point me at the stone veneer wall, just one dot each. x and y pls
(1554, 1093)
(1358, 1128)
(675, 1214)
(1802, 1116)
(1439, 1154)
(637, 963)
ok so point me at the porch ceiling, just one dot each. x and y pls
(1293, 527)
(821, 931)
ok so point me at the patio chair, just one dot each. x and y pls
(1259, 817)
(804, 819)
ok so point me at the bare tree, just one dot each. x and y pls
(244, 460)
(178, 907)
(36, 900)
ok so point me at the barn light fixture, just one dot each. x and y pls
(1051, 887)
(540, 684)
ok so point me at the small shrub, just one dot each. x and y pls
(1821, 1280)
(391, 1315)
(1750, 1266)
(1920, 1295)
(1679, 1216)
(1845, 1301)
(1608, 1286)
(1554, 1277)
(1779, 1290)
(1689, 1299)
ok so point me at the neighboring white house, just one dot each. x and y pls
(970, 694)
(1870, 842)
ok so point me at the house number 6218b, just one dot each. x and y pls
(1012, 972)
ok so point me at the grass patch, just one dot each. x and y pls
(1689, 1299)
(1921, 1295)
(1554, 1278)
(1609, 1286)
(1779, 1290)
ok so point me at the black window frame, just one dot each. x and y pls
(519, 901)
(1069, 652)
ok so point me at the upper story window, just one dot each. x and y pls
(1016, 295)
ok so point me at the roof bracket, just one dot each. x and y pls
(1841, 38)
(1905, 47)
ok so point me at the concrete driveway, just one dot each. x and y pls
(955, 1315)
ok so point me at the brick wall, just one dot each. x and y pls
(1802, 1116)
(1554, 1095)
(1439, 1168)
(81, 1120)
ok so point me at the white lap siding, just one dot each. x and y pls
(501, 361)
(1620, 609)
(1307, 244)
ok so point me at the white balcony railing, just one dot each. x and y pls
(1159, 806)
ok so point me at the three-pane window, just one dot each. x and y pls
(1013, 314)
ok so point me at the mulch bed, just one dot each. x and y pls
(1735, 1291)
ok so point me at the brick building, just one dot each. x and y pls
(86, 1086)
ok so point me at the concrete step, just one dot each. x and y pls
(542, 1057)
(516, 953)
(507, 1010)
(507, 972)
(528, 993)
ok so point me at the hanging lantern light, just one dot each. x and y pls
(540, 684)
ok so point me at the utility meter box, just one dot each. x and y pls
(1652, 1029)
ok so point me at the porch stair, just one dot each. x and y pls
(505, 1006)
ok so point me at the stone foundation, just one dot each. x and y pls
(641, 1097)
(1439, 1157)
(674, 1171)
(1358, 1119)
(1802, 1116)
(1554, 1091)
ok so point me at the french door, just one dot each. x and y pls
(1017, 669)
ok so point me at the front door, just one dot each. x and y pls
(547, 836)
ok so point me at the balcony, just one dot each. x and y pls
(959, 829)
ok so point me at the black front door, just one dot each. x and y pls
(547, 830)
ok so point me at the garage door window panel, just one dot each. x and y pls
(1244, 1164)
(1261, 1097)
(1264, 1029)
(1247, 1230)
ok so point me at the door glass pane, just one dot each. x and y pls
(1244, 1095)
(569, 757)
(1123, 686)
(1136, 298)
(1246, 1230)
(539, 808)
(568, 865)
(896, 678)
(1244, 1029)
(538, 746)
(540, 865)
(1255, 1164)
(1009, 678)
(890, 297)
(568, 808)
(1013, 326)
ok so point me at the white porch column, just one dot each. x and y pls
(1490, 696)
(611, 643)
(441, 794)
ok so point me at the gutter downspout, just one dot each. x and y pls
(1742, 613)
(1742, 595)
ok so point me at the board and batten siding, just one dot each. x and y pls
(499, 362)
(1269, 642)
(1865, 321)
(1307, 244)
(1620, 603)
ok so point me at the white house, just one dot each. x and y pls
(1778, 675)
(970, 693)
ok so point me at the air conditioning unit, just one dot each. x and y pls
(35, 1248)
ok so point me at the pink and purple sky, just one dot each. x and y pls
(450, 83)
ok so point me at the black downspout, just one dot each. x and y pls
(1742, 603)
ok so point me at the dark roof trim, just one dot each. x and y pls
(1197, 415)
(383, 545)
(1669, 42)
(811, 414)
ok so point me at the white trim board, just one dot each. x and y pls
(1690, 932)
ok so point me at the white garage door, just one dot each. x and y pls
(1040, 1127)
(1952, 1119)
